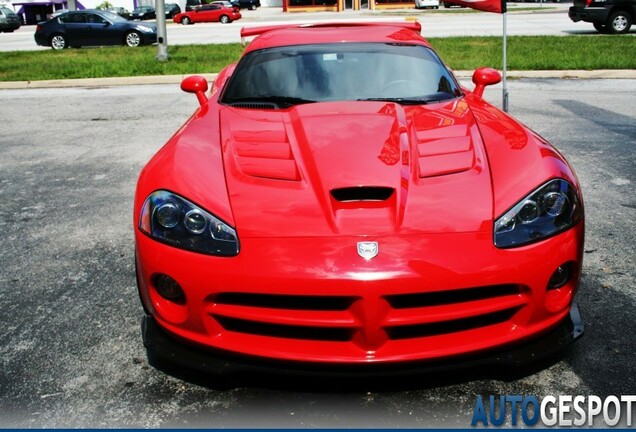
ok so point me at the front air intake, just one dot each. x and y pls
(362, 193)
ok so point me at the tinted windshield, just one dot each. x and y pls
(328, 72)
(6, 11)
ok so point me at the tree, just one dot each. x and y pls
(104, 5)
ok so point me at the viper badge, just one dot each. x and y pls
(367, 250)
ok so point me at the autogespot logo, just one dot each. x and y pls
(560, 411)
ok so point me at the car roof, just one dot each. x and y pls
(275, 36)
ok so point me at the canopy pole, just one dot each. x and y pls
(505, 61)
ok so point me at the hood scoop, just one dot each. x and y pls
(355, 169)
(362, 193)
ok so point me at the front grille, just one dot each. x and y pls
(437, 298)
(370, 321)
(448, 327)
(286, 331)
(293, 302)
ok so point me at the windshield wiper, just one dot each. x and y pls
(411, 101)
(286, 101)
(401, 101)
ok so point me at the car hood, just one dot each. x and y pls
(356, 168)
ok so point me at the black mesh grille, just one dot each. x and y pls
(292, 302)
(441, 328)
(403, 301)
(285, 331)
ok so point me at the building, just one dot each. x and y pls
(35, 11)
(342, 5)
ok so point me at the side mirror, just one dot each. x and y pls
(483, 77)
(196, 84)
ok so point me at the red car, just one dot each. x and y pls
(208, 13)
(339, 200)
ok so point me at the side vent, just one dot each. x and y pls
(362, 193)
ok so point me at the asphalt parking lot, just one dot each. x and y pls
(70, 346)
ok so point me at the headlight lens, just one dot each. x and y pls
(144, 28)
(549, 210)
(171, 219)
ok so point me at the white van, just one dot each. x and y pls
(421, 4)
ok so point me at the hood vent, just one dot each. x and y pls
(362, 193)
(255, 105)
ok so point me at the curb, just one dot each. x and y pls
(176, 79)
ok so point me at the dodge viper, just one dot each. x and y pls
(339, 200)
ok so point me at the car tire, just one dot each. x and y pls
(252, 7)
(132, 39)
(619, 22)
(185, 21)
(58, 42)
(225, 19)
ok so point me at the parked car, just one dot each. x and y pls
(208, 13)
(249, 4)
(9, 20)
(192, 5)
(143, 13)
(226, 3)
(339, 199)
(122, 12)
(171, 9)
(93, 28)
(607, 16)
(425, 4)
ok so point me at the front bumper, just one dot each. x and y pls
(317, 301)
(588, 14)
(149, 38)
(162, 348)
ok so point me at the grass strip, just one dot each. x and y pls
(585, 52)
(460, 53)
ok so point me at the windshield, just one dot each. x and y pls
(329, 72)
(6, 11)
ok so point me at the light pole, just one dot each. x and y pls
(162, 34)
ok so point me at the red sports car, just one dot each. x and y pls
(208, 13)
(339, 200)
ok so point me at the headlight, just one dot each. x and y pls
(171, 219)
(549, 210)
(144, 29)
